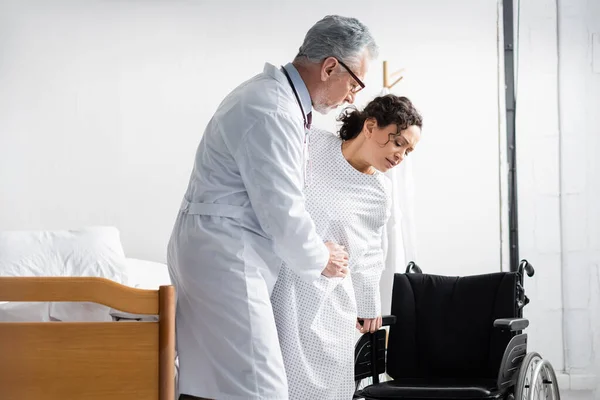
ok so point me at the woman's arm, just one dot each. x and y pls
(366, 275)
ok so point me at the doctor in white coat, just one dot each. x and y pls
(243, 214)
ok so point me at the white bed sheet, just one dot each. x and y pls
(142, 274)
(24, 312)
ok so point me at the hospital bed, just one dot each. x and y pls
(454, 338)
(88, 360)
(79, 320)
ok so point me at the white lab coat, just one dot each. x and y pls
(242, 216)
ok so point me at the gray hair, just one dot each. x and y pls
(341, 37)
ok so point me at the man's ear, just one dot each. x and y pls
(328, 67)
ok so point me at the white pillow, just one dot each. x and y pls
(92, 251)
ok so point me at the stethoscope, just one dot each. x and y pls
(308, 168)
(297, 96)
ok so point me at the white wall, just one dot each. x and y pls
(538, 179)
(102, 105)
(579, 85)
(558, 133)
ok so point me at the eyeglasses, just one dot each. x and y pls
(356, 88)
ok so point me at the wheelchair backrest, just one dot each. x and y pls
(444, 325)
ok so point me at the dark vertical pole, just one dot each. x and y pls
(509, 69)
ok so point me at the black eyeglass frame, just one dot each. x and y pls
(353, 75)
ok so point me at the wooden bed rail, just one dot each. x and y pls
(75, 289)
(88, 360)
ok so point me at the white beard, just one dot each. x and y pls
(322, 109)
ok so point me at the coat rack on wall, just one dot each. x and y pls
(387, 77)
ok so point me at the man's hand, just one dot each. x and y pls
(337, 267)
(368, 324)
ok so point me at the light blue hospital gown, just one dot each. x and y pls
(316, 322)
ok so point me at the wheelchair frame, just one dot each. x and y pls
(519, 370)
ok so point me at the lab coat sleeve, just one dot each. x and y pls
(271, 162)
(366, 275)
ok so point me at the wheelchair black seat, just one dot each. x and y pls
(434, 389)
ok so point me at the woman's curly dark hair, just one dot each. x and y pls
(386, 110)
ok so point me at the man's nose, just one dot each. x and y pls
(350, 98)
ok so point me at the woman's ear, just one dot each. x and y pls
(369, 127)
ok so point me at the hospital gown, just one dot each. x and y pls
(316, 322)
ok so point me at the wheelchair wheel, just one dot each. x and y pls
(536, 380)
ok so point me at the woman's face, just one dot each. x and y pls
(386, 148)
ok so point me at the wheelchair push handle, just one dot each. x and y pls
(413, 268)
(524, 265)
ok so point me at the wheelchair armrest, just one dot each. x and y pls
(386, 320)
(511, 324)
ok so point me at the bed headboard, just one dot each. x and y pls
(88, 360)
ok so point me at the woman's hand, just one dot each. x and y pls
(368, 324)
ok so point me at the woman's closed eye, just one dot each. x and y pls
(400, 142)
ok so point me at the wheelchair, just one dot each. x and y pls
(454, 338)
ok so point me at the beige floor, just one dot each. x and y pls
(578, 395)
